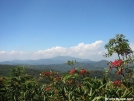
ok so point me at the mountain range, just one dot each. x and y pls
(55, 60)
(59, 63)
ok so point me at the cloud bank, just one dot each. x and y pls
(93, 51)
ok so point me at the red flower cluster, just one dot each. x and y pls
(79, 85)
(116, 63)
(83, 71)
(72, 71)
(47, 73)
(47, 89)
(117, 82)
(119, 72)
(58, 78)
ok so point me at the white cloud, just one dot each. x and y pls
(48, 53)
(5, 56)
(93, 51)
(132, 46)
(2, 52)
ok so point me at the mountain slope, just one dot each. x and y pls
(102, 63)
(66, 58)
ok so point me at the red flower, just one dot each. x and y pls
(116, 63)
(72, 71)
(117, 82)
(58, 78)
(70, 81)
(46, 73)
(47, 89)
(119, 72)
(111, 67)
(79, 85)
(83, 71)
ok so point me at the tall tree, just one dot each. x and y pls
(118, 45)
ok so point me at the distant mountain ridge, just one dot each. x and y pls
(59, 63)
(55, 60)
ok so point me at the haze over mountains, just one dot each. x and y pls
(55, 60)
(59, 63)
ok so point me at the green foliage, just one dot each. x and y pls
(68, 87)
(118, 45)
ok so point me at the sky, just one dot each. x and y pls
(39, 29)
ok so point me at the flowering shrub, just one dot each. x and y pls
(119, 72)
(116, 63)
(83, 71)
(48, 88)
(72, 71)
(117, 83)
(47, 73)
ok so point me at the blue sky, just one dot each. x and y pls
(33, 29)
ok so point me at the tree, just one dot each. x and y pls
(120, 46)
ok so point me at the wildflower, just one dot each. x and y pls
(79, 85)
(72, 71)
(111, 67)
(58, 78)
(46, 73)
(116, 63)
(119, 72)
(47, 89)
(70, 81)
(83, 71)
(117, 82)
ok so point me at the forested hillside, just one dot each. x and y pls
(35, 70)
